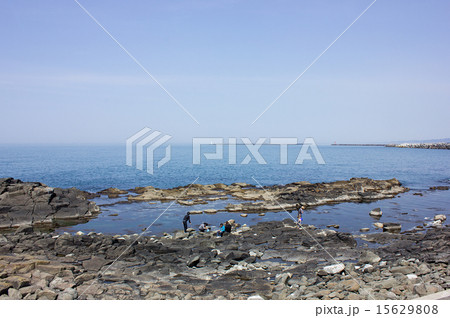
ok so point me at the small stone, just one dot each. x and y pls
(440, 217)
(378, 225)
(368, 268)
(364, 229)
(244, 215)
(332, 269)
(376, 212)
(255, 297)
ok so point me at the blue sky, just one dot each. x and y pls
(63, 80)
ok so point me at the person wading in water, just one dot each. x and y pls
(186, 219)
(300, 214)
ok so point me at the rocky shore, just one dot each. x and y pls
(34, 203)
(271, 260)
(271, 198)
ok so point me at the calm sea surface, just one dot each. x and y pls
(94, 168)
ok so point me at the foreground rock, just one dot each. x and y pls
(271, 260)
(275, 198)
(35, 204)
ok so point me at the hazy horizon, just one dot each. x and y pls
(63, 80)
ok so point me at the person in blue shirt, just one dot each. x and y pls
(221, 230)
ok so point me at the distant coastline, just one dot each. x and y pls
(434, 145)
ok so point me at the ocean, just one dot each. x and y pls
(93, 168)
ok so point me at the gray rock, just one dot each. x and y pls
(95, 263)
(369, 257)
(14, 294)
(28, 203)
(193, 261)
(423, 269)
(402, 270)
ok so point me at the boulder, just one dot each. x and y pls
(376, 213)
(33, 203)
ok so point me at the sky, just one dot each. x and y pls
(64, 80)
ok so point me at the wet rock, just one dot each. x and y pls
(378, 225)
(440, 217)
(392, 227)
(336, 226)
(364, 229)
(376, 213)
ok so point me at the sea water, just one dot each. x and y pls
(96, 167)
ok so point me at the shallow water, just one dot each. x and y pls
(94, 168)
